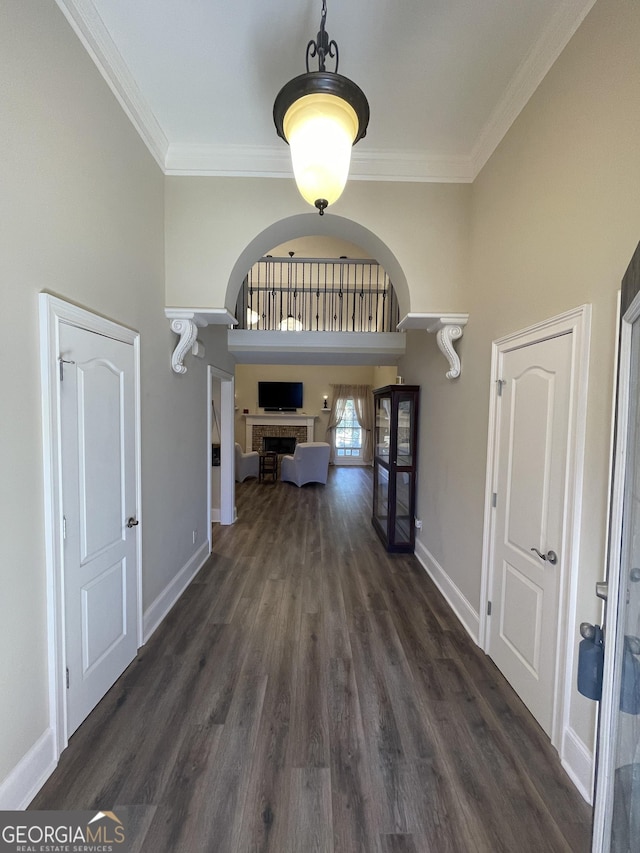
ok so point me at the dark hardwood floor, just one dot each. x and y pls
(310, 692)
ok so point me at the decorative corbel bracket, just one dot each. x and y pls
(447, 328)
(186, 323)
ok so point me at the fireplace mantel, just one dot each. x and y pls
(278, 419)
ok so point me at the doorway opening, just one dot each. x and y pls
(220, 448)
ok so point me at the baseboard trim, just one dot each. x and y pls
(34, 768)
(29, 774)
(215, 515)
(578, 762)
(459, 604)
(157, 611)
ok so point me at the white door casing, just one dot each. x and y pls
(532, 637)
(622, 602)
(533, 424)
(97, 428)
(227, 445)
(54, 314)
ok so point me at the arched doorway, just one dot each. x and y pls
(308, 225)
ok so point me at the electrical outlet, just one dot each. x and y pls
(418, 523)
(195, 535)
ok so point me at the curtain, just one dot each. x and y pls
(336, 414)
(363, 405)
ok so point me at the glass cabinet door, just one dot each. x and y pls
(381, 496)
(403, 518)
(404, 433)
(383, 427)
(394, 479)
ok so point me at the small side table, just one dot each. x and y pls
(268, 465)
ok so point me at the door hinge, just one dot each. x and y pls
(62, 361)
(500, 383)
(64, 527)
(488, 610)
(67, 678)
(494, 499)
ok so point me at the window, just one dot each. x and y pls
(348, 436)
(350, 427)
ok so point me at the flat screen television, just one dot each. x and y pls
(280, 396)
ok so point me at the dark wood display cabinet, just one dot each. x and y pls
(394, 465)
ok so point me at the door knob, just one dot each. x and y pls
(550, 556)
(133, 522)
(587, 630)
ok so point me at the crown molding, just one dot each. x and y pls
(531, 72)
(414, 166)
(274, 162)
(90, 29)
(250, 161)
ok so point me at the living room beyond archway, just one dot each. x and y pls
(308, 288)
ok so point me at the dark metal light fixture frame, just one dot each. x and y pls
(322, 82)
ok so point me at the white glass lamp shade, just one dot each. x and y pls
(290, 324)
(320, 130)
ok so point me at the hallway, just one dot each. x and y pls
(310, 692)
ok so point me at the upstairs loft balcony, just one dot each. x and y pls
(317, 295)
(317, 310)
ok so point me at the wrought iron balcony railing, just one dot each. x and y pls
(317, 295)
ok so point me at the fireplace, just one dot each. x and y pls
(279, 425)
(279, 443)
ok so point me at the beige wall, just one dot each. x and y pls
(317, 381)
(555, 219)
(211, 221)
(550, 223)
(82, 216)
(384, 376)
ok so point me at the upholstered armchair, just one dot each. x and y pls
(309, 463)
(247, 464)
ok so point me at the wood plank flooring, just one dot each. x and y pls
(310, 692)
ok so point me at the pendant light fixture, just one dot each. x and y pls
(322, 115)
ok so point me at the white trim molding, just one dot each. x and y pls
(577, 761)
(162, 604)
(87, 24)
(447, 328)
(576, 322)
(274, 161)
(177, 157)
(460, 605)
(226, 513)
(186, 322)
(528, 76)
(53, 313)
(250, 346)
(617, 535)
(29, 774)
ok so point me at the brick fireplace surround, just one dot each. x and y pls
(300, 427)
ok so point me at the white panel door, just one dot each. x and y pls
(533, 425)
(99, 498)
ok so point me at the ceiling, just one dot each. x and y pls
(444, 78)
